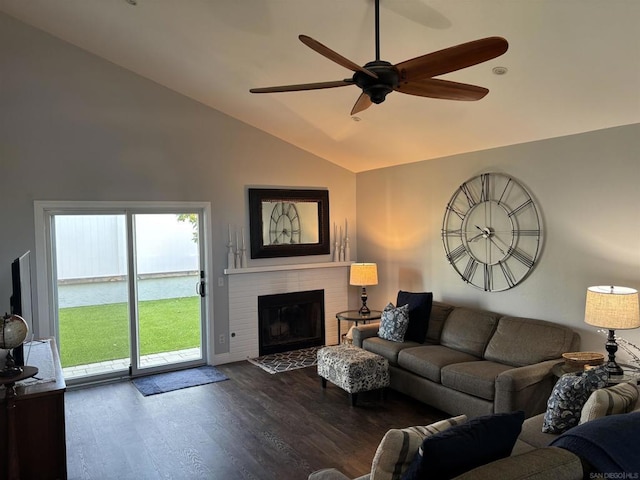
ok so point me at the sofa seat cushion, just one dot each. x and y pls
(532, 433)
(475, 378)
(512, 341)
(386, 348)
(549, 463)
(428, 360)
(469, 330)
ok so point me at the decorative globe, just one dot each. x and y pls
(13, 331)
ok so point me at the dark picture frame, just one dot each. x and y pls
(313, 209)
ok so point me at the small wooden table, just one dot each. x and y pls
(354, 316)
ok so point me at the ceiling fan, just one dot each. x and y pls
(414, 77)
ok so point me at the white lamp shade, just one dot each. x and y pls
(363, 274)
(613, 308)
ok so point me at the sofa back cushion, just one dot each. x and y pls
(524, 341)
(439, 313)
(468, 330)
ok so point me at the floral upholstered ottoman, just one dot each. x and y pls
(353, 369)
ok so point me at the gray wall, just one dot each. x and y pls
(586, 187)
(76, 127)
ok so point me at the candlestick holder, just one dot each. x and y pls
(231, 257)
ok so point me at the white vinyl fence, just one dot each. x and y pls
(91, 258)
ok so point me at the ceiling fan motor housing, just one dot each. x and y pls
(378, 88)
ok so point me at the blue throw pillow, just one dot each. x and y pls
(394, 322)
(419, 313)
(569, 395)
(608, 444)
(464, 447)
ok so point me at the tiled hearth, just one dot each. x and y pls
(245, 285)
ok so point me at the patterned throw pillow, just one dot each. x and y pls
(569, 395)
(620, 398)
(394, 323)
(398, 447)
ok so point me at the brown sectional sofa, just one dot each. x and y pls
(475, 362)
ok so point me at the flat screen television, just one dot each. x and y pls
(21, 303)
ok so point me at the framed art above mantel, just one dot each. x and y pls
(288, 223)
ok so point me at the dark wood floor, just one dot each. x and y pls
(253, 426)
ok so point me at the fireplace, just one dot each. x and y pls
(289, 321)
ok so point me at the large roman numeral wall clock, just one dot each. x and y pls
(491, 232)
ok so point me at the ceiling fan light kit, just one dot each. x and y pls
(378, 78)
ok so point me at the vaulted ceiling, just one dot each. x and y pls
(572, 66)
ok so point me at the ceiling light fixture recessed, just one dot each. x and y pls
(499, 70)
(132, 2)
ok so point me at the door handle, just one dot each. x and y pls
(200, 286)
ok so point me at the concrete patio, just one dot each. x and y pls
(165, 358)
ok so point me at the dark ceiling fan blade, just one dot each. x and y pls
(333, 56)
(444, 89)
(452, 59)
(361, 104)
(303, 86)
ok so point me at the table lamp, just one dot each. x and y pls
(612, 308)
(363, 274)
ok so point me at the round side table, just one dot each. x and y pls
(355, 316)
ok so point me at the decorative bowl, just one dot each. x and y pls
(580, 359)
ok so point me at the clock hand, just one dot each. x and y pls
(486, 232)
(503, 242)
(497, 246)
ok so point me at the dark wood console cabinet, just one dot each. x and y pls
(37, 446)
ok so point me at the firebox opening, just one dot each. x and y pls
(290, 321)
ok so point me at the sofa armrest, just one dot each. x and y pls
(549, 463)
(525, 388)
(328, 474)
(364, 331)
(519, 378)
(333, 474)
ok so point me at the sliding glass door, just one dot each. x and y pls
(167, 286)
(128, 290)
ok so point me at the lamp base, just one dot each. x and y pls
(364, 310)
(613, 369)
(612, 347)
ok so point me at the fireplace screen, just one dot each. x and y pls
(289, 321)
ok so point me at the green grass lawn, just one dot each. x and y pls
(101, 332)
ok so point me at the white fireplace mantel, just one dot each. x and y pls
(247, 284)
(277, 268)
